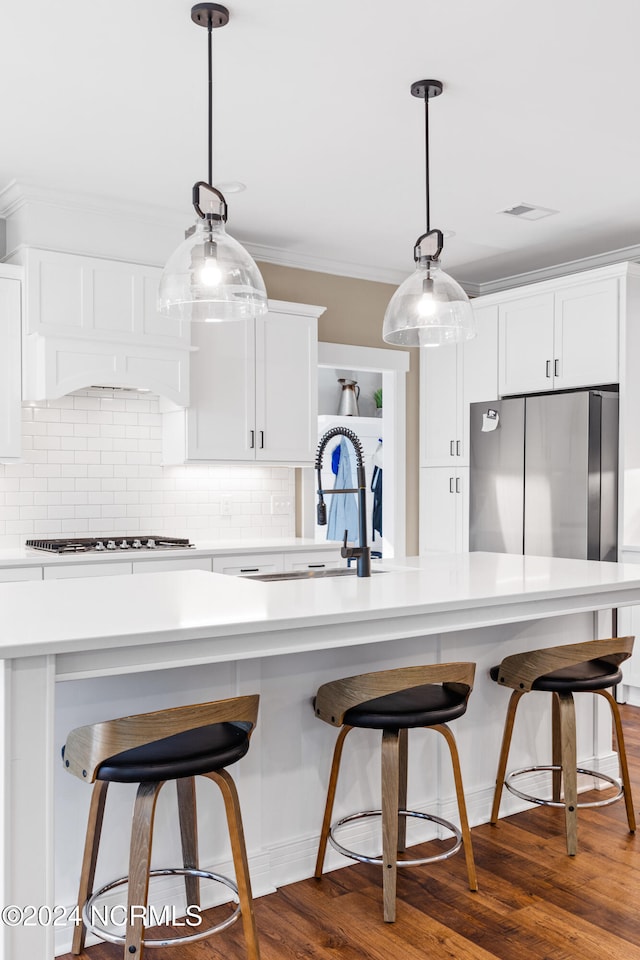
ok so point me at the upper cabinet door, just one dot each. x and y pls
(220, 420)
(440, 435)
(10, 381)
(586, 335)
(479, 370)
(76, 296)
(286, 387)
(526, 345)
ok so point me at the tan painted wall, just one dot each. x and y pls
(354, 314)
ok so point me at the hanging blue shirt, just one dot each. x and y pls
(343, 508)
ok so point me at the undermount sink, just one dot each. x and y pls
(309, 574)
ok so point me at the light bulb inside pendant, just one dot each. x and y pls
(210, 272)
(426, 306)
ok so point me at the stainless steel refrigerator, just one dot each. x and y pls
(544, 475)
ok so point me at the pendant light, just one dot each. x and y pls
(210, 276)
(429, 308)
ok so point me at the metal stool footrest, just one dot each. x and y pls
(89, 909)
(559, 803)
(401, 813)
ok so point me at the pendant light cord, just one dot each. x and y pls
(210, 32)
(426, 153)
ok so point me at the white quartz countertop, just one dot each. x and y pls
(29, 557)
(239, 618)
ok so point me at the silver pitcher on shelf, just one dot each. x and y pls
(349, 398)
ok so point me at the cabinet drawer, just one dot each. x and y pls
(313, 560)
(13, 574)
(158, 566)
(246, 566)
(86, 570)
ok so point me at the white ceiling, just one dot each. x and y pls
(313, 113)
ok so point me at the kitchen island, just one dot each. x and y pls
(78, 651)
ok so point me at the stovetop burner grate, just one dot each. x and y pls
(98, 544)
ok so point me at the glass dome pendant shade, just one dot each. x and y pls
(429, 308)
(210, 277)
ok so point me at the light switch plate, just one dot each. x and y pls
(280, 505)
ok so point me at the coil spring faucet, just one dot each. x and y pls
(362, 553)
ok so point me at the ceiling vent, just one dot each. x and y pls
(527, 211)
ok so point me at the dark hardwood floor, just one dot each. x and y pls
(534, 902)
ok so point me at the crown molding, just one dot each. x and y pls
(607, 259)
(19, 193)
(338, 268)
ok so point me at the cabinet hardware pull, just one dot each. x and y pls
(316, 566)
(249, 569)
(458, 447)
(457, 484)
(450, 484)
(253, 439)
(452, 448)
(549, 368)
(262, 439)
(556, 368)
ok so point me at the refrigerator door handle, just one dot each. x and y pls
(549, 369)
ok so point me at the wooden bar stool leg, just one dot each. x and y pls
(139, 863)
(462, 806)
(567, 722)
(187, 812)
(90, 857)
(240, 863)
(622, 756)
(403, 760)
(556, 750)
(390, 790)
(331, 794)
(504, 752)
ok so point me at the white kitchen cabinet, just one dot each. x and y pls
(249, 565)
(253, 391)
(14, 574)
(444, 509)
(314, 560)
(86, 570)
(560, 339)
(92, 321)
(450, 379)
(10, 361)
(158, 566)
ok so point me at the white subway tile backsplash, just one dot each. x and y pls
(92, 465)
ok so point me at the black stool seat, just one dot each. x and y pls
(187, 754)
(423, 706)
(578, 678)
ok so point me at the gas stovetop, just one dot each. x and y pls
(91, 545)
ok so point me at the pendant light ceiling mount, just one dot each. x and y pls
(214, 14)
(429, 308)
(210, 277)
(424, 88)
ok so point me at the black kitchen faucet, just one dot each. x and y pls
(361, 553)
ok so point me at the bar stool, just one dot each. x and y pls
(395, 701)
(149, 749)
(589, 667)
